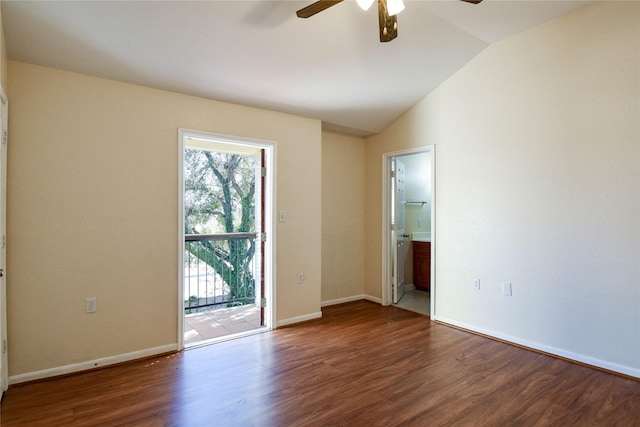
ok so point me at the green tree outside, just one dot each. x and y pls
(219, 197)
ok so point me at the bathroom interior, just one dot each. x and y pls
(417, 232)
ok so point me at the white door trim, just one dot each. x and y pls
(386, 218)
(270, 148)
(4, 368)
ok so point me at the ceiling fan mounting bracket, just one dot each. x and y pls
(388, 24)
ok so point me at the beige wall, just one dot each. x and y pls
(93, 212)
(343, 187)
(537, 150)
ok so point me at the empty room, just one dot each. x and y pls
(278, 213)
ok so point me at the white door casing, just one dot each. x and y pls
(264, 220)
(387, 249)
(4, 369)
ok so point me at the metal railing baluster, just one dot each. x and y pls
(228, 275)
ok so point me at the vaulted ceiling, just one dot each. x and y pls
(330, 67)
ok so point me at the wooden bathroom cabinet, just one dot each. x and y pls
(422, 265)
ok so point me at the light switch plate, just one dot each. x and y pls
(506, 289)
(90, 305)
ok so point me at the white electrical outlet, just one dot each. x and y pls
(300, 278)
(476, 284)
(506, 289)
(90, 305)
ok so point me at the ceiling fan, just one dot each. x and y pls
(387, 13)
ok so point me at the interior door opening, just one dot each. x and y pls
(408, 224)
(226, 252)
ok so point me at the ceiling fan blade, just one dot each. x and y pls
(472, 1)
(316, 7)
(388, 24)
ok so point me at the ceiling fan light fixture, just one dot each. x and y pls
(394, 7)
(365, 4)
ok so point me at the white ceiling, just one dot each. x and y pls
(330, 67)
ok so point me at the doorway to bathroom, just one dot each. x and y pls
(408, 229)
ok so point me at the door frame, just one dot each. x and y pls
(269, 148)
(386, 221)
(4, 359)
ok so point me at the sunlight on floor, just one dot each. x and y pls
(219, 323)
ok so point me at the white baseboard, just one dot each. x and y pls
(298, 319)
(350, 299)
(587, 360)
(91, 364)
(318, 315)
(372, 299)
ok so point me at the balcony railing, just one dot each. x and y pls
(219, 271)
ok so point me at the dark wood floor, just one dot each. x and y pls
(360, 365)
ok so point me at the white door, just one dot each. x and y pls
(397, 229)
(4, 371)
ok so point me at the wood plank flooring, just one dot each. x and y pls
(360, 365)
